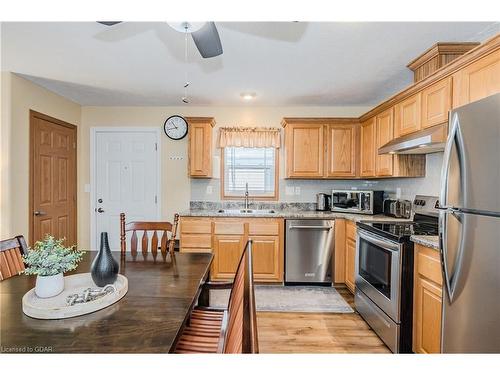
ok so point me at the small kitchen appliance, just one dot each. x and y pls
(323, 202)
(358, 201)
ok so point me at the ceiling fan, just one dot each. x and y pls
(204, 34)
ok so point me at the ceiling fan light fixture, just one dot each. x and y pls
(186, 27)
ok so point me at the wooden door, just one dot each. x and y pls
(304, 150)
(227, 252)
(427, 301)
(200, 146)
(350, 260)
(384, 134)
(341, 146)
(477, 80)
(407, 115)
(266, 258)
(52, 178)
(436, 102)
(367, 140)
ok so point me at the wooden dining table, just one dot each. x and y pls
(148, 319)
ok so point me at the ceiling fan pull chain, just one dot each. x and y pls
(185, 99)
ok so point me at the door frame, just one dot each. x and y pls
(94, 131)
(34, 115)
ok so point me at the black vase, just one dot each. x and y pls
(104, 268)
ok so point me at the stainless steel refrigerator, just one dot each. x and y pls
(469, 229)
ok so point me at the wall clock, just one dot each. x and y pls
(175, 127)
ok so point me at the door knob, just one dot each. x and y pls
(40, 213)
(100, 210)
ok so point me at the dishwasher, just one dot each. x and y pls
(309, 247)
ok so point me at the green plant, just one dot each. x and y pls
(49, 257)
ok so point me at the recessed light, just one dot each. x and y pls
(248, 95)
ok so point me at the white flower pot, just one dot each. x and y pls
(49, 286)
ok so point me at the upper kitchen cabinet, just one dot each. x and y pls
(367, 148)
(436, 102)
(477, 80)
(304, 144)
(341, 150)
(407, 115)
(200, 146)
(384, 133)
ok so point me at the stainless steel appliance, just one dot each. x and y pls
(309, 248)
(400, 208)
(425, 141)
(323, 202)
(359, 201)
(384, 273)
(469, 229)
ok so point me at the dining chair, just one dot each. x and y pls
(11, 252)
(229, 331)
(166, 244)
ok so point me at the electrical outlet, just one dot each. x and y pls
(398, 193)
(297, 190)
(210, 190)
(289, 190)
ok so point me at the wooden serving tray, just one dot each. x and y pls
(56, 307)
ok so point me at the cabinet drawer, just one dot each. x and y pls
(350, 230)
(195, 250)
(229, 227)
(429, 264)
(196, 240)
(264, 228)
(196, 226)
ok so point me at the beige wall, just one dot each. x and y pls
(18, 97)
(175, 182)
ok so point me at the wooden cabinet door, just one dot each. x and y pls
(436, 102)
(227, 252)
(384, 134)
(341, 146)
(407, 115)
(427, 313)
(200, 147)
(367, 152)
(427, 301)
(477, 80)
(267, 258)
(350, 260)
(304, 150)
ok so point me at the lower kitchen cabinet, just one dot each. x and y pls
(350, 255)
(227, 253)
(427, 301)
(226, 237)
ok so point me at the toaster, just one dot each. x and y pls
(399, 208)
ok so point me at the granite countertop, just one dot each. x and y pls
(429, 241)
(291, 214)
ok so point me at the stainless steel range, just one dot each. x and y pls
(384, 273)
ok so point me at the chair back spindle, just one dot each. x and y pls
(11, 252)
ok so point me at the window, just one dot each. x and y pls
(255, 166)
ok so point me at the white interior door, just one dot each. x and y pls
(126, 180)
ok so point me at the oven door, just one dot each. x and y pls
(378, 271)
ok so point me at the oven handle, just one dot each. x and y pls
(379, 241)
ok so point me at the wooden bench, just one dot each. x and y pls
(232, 330)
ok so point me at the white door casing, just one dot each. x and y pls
(125, 175)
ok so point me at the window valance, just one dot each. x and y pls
(249, 137)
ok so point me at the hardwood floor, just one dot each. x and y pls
(317, 333)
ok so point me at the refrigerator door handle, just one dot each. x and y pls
(455, 139)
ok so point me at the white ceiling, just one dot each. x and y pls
(286, 64)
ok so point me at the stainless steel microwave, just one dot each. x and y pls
(367, 202)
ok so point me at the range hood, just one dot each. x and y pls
(424, 141)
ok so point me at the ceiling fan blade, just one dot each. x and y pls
(207, 41)
(109, 23)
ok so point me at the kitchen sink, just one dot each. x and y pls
(246, 211)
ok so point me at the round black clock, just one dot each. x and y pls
(175, 127)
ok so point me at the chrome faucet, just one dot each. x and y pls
(246, 196)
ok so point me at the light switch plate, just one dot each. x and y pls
(210, 190)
